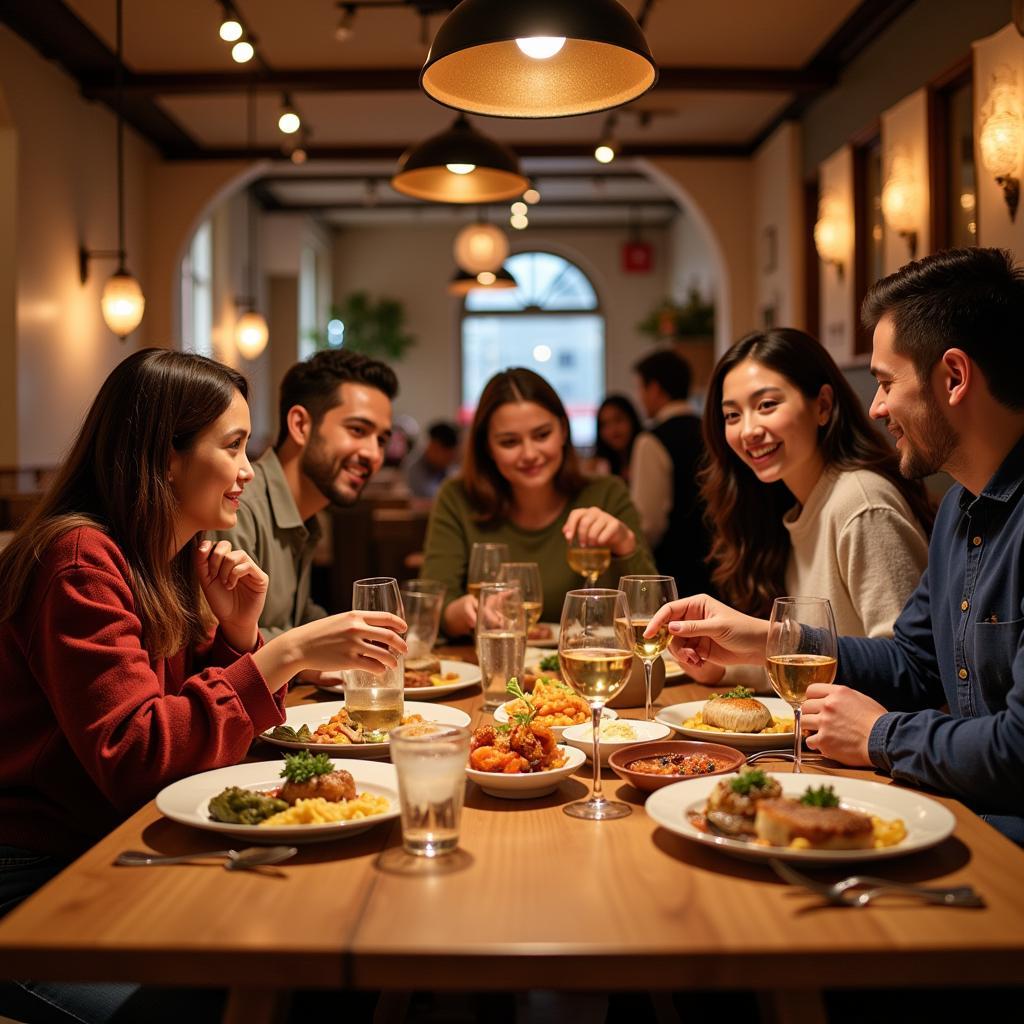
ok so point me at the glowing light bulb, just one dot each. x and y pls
(122, 304)
(541, 47)
(604, 154)
(242, 52)
(486, 277)
(289, 122)
(519, 209)
(519, 221)
(251, 334)
(461, 168)
(532, 196)
(230, 30)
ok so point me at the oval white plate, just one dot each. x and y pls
(582, 737)
(468, 675)
(676, 714)
(501, 716)
(316, 714)
(527, 786)
(551, 641)
(927, 821)
(186, 801)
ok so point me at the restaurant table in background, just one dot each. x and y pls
(546, 902)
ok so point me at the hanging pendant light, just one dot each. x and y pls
(460, 165)
(480, 248)
(462, 283)
(538, 58)
(251, 331)
(251, 334)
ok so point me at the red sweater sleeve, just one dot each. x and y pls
(136, 725)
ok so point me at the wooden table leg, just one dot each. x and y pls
(791, 1006)
(256, 1006)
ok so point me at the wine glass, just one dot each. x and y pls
(587, 561)
(500, 639)
(595, 652)
(527, 575)
(801, 650)
(484, 565)
(645, 595)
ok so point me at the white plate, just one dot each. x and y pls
(552, 641)
(527, 786)
(501, 716)
(468, 675)
(186, 801)
(582, 737)
(316, 714)
(927, 822)
(676, 714)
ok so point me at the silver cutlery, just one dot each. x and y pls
(842, 893)
(236, 860)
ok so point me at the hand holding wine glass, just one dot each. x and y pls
(801, 650)
(646, 594)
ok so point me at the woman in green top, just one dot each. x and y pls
(521, 485)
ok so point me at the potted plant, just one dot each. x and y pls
(375, 327)
(693, 320)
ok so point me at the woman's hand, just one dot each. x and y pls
(235, 588)
(368, 641)
(594, 528)
(709, 674)
(704, 630)
(460, 616)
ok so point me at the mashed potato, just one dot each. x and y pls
(319, 811)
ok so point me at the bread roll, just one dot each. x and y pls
(737, 714)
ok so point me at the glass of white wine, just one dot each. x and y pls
(801, 650)
(500, 639)
(589, 562)
(595, 652)
(645, 595)
(527, 575)
(484, 565)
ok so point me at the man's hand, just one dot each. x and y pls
(838, 721)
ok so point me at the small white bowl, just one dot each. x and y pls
(501, 716)
(527, 786)
(582, 737)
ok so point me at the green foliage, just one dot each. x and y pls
(303, 766)
(748, 779)
(375, 327)
(524, 717)
(670, 321)
(736, 693)
(822, 796)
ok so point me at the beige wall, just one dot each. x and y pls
(905, 141)
(414, 264)
(778, 241)
(8, 292)
(837, 328)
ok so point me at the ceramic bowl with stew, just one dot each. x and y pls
(649, 766)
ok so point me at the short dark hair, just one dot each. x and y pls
(313, 383)
(669, 369)
(444, 434)
(971, 299)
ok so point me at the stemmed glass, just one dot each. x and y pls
(527, 575)
(646, 594)
(484, 565)
(801, 650)
(595, 651)
(587, 561)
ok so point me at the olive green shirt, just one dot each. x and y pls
(453, 530)
(270, 530)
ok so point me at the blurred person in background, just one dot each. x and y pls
(426, 471)
(617, 428)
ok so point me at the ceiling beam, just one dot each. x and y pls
(102, 85)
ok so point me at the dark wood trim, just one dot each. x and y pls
(938, 92)
(861, 230)
(812, 264)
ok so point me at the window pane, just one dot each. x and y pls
(546, 281)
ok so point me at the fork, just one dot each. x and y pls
(237, 860)
(841, 893)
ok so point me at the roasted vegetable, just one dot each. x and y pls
(238, 806)
(290, 735)
(301, 767)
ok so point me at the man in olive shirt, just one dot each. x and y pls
(335, 422)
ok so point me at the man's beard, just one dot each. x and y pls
(323, 472)
(938, 442)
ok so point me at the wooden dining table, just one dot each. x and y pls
(539, 900)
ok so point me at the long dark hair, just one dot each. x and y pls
(488, 491)
(617, 461)
(750, 546)
(115, 478)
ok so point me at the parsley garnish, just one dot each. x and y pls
(736, 693)
(522, 717)
(823, 796)
(748, 779)
(303, 766)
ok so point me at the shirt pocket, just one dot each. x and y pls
(995, 647)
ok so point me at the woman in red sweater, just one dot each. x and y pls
(129, 648)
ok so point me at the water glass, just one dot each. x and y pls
(500, 639)
(422, 600)
(376, 702)
(430, 761)
(527, 575)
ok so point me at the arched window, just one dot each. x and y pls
(551, 324)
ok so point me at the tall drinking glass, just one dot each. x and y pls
(801, 650)
(422, 600)
(527, 575)
(595, 651)
(484, 565)
(376, 701)
(500, 639)
(646, 594)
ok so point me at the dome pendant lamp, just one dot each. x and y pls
(538, 58)
(460, 166)
(463, 282)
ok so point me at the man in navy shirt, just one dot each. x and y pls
(941, 704)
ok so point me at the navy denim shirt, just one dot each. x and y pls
(959, 644)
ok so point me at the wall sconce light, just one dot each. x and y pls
(832, 233)
(901, 199)
(1001, 138)
(480, 248)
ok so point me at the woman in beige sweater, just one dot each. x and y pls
(804, 496)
